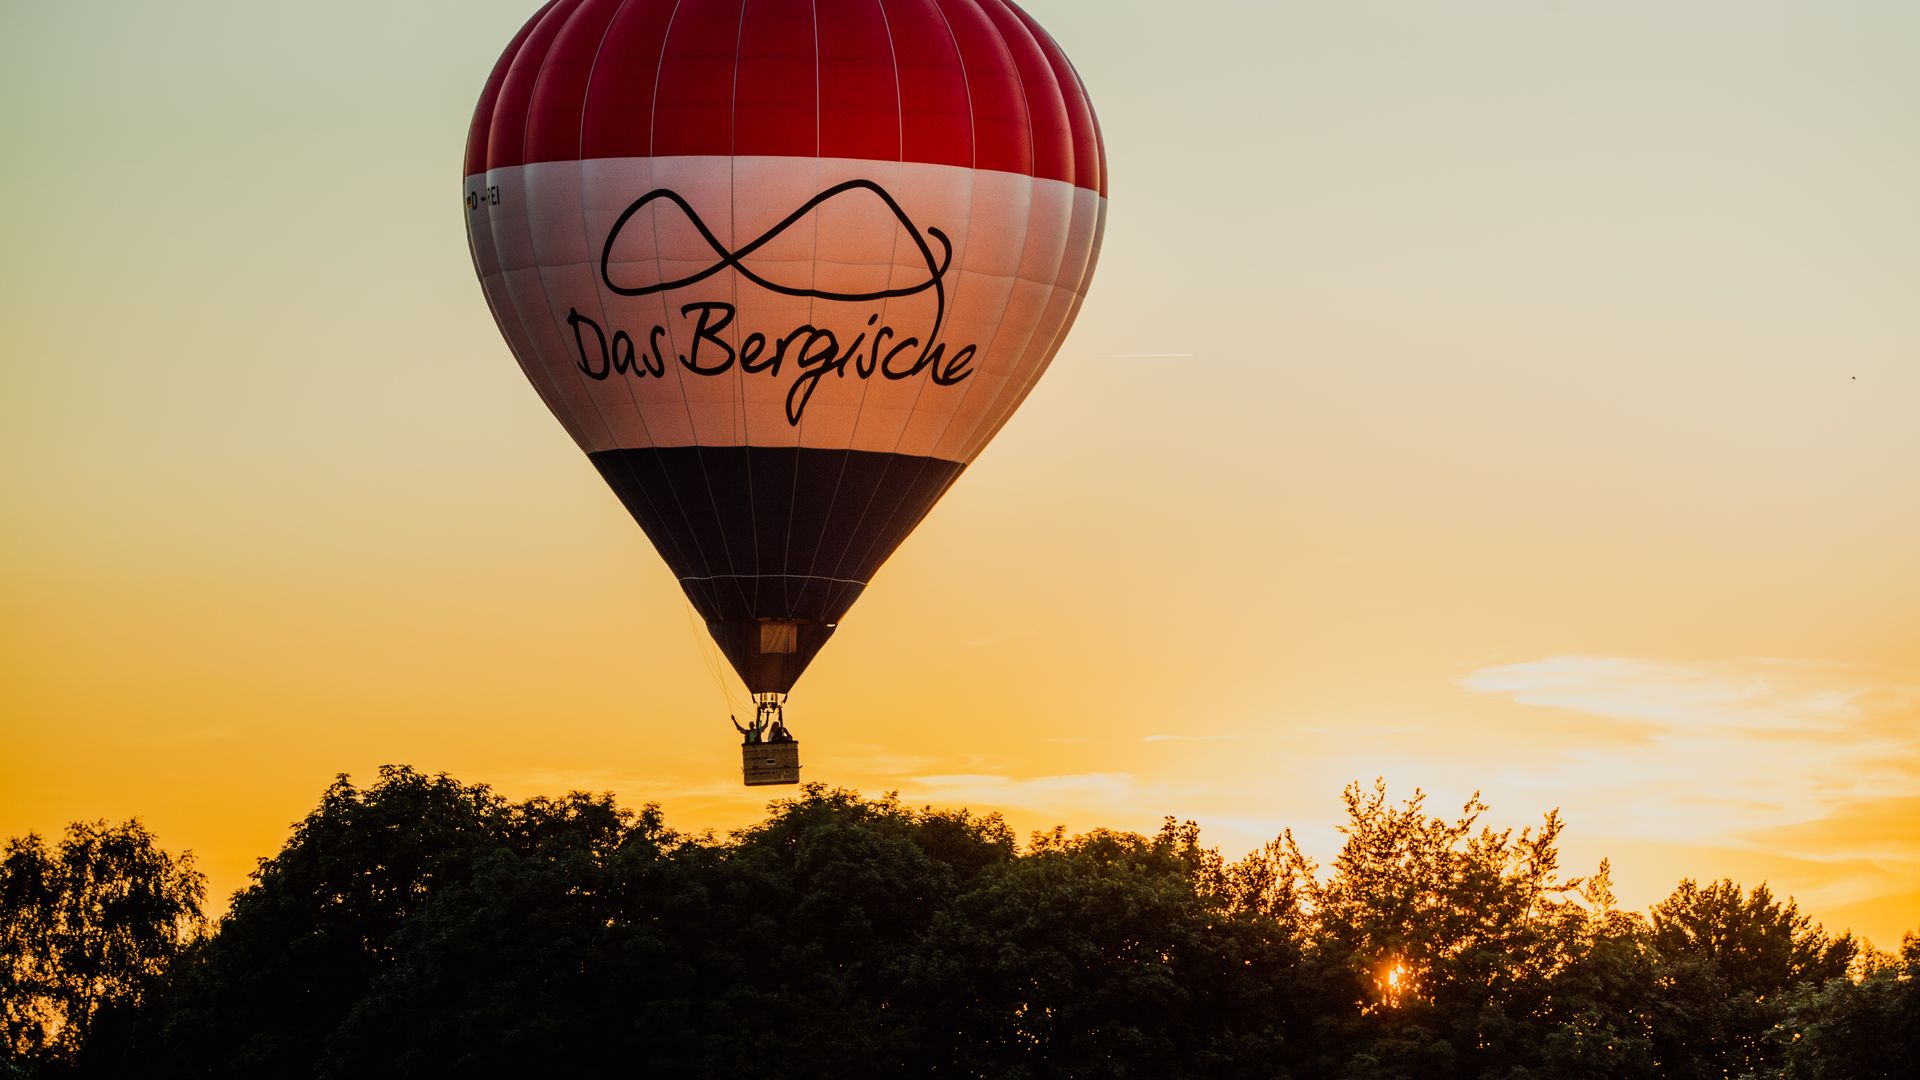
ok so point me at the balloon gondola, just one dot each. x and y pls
(782, 268)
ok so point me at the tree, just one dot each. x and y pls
(1597, 1023)
(1870, 1030)
(1069, 961)
(301, 946)
(1754, 942)
(1436, 939)
(1728, 958)
(816, 930)
(86, 930)
(422, 926)
(555, 954)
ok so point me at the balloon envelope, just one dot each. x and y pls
(782, 268)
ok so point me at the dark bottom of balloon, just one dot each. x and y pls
(773, 544)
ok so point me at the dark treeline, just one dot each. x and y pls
(426, 927)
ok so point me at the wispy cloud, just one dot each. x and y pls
(1798, 758)
(1740, 695)
(1075, 793)
(1193, 738)
(871, 760)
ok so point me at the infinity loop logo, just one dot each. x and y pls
(815, 351)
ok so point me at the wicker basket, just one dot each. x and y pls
(770, 763)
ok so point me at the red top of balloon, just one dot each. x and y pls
(974, 83)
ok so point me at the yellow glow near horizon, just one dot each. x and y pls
(1491, 396)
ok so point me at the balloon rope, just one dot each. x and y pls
(710, 657)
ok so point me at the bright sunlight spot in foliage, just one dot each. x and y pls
(1395, 982)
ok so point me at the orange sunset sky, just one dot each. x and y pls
(1511, 396)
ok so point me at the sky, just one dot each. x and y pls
(1498, 396)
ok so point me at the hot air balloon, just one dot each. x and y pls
(782, 268)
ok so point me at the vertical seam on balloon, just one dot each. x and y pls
(1050, 47)
(536, 373)
(586, 232)
(680, 381)
(899, 95)
(900, 117)
(966, 83)
(969, 447)
(1003, 405)
(1099, 187)
(484, 135)
(813, 281)
(1026, 384)
(959, 264)
(1026, 235)
(624, 458)
(527, 326)
(1091, 258)
(1020, 80)
(526, 170)
(498, 307)
(693, 426)
(813, 277)
(739, 379)
(1088, 257)
(659, 65)
(479, 147)
(817, 123)
(1050, 51)
(839, 569)
(973, 146)
(622, 455)
(887, 463)
(1099, 137)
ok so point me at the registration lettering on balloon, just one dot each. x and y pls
(813, 351)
